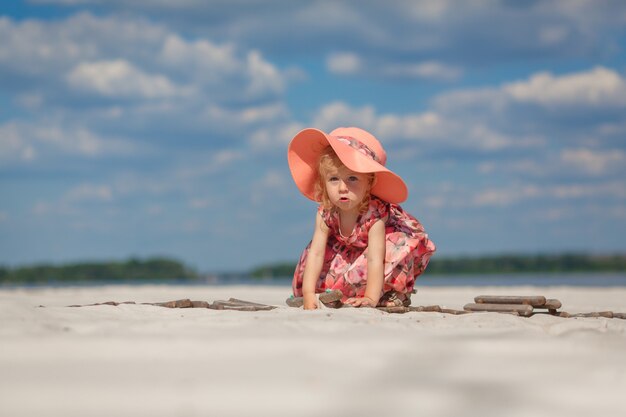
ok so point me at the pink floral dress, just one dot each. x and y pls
(408, 251)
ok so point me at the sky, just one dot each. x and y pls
(160, 128)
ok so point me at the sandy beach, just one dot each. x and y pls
(143, 360)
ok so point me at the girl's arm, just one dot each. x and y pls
(314, 263)
(375, 266)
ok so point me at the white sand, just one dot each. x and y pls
(153, 361)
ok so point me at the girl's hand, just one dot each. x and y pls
(310, 303)
(360, 302)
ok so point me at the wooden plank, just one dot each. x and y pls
(521, 309)
(533, 300)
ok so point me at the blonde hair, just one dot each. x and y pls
(328, 160)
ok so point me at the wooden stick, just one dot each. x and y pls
(453, 311)
(533, 300)
(248, 303)
(200, 304)
(239, 305)
(431, 309)
(184, 303)
(551, 304)
(606, 314)
(521, 309)
(394, 309)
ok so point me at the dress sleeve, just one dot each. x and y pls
(327, 216)
(378, 209)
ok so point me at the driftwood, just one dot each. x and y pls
(490, 303)
(239, 305)
(231, 304)
(533, 300)
(518, 305)
(521, 309)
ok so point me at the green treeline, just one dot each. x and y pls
(498, 264)
(505, 264)
(159, 269)
(130, 270)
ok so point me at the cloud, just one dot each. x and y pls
(478, 33)
(120, 78)
(131, 57)
(520, 193)
(89, 193)
(29, 142)
(432, 129)
(428, 70)
(598, 87)
(343, 63)
(348, 63)
(594, 162)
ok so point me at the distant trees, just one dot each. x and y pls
(568, 262)
(158, 269)
(130, 270)
(498, 264)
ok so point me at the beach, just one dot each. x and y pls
(145, 360)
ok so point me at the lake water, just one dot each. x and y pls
(505, 280)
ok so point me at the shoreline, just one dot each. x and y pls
(139, 359)
(547, 279)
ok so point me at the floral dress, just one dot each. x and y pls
(407, 252)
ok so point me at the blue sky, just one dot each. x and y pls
(160, 127)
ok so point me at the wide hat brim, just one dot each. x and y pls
(303, 157)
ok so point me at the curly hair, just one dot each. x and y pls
(328, 161)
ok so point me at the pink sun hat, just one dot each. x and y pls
(357, 149)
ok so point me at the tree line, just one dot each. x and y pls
(496, 264)
(130, 270)
(159, 269)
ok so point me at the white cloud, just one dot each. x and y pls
(206, 59)
(126, 57)
(501, 197)
(120, 78)
(89, 193)
(553, 35)
(349, 63)
(212, 163)
(339, 113)
(28, 142)
(432, 129)
(428, 70)
(520, 193)
(344, 63)
(275, 136)
(46, 48)
(264, 77)
(598, 87)
(592, 161)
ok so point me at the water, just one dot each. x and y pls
(501, 280)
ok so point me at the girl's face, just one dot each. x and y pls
(346, 189)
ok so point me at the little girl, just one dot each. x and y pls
(364, 245)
